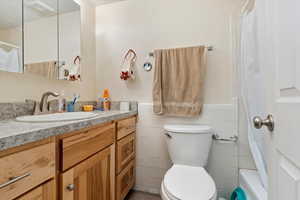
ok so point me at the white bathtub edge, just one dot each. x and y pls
(251, 184)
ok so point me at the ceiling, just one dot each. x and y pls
(11, 10)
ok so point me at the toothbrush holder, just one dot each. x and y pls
(71, 107)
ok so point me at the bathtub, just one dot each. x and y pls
(250, 183)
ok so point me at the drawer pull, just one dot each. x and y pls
(70, 187)
(14, 179)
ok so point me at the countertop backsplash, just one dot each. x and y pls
(17, 109)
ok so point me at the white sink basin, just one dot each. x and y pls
(57, 117)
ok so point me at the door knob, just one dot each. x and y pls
(259, 122)
(70, 187)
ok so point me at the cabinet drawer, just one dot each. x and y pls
(125, 181)
(125, 151)
(42, 192)
(126, 126)
(81, 146)
(25, 170)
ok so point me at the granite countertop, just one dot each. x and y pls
(14, 133)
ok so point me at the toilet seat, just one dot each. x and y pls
(183, 182)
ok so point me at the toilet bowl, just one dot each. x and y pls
(183, 182)
(189, 147)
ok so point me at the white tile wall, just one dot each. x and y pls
(153, 159)
(223, 167)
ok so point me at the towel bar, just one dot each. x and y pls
(209, 48)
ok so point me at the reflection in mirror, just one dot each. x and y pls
(11, 36)
(41, 38)
(69, 40)
(52, 39)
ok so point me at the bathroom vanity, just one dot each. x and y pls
(86, 159)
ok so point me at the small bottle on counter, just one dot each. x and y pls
(99, 105)
(106, 100)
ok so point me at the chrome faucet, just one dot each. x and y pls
(44, 101)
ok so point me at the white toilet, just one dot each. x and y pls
(189, 147)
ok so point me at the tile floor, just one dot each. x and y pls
(135, 195)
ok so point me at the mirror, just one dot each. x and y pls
(11, 50)
(52, 39)
(44, 35)
(69, 40)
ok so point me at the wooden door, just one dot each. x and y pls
(92, 179)
(45, 191)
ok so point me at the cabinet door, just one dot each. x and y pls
(92, 179)
(45, 191)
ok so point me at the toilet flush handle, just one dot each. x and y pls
(168, 135)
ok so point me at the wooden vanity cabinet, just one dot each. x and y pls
(96, 163)
(126, 127)
(92, 179)
(126, 150)
(27, 169)
(99, 163)
(83, 144)
(126, 180)
(88, 164)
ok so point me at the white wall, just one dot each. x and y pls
(18, 87)
(146, 25)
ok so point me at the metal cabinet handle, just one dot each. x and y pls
(14, 179)
(70, 187)
(259, 122)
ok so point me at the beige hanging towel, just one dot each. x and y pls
(178, 81)
(45, 69)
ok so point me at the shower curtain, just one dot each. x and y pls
(251, 83)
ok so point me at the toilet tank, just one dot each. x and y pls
(189, 144)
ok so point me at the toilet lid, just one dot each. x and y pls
(185, 128)
(189, 183)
